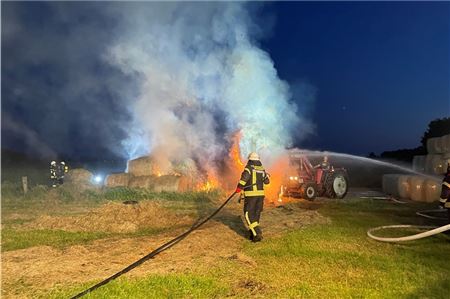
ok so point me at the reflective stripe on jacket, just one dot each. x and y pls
(252, 180)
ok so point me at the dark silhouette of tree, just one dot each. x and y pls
(436, 128)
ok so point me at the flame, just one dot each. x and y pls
(235, 152)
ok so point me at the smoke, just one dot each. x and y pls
(176, 80)
(202, 78)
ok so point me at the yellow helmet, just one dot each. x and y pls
(253, 156)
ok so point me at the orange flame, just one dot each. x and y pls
(235, 153)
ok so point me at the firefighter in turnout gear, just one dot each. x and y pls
(251, 184)
(53, 174)
(62, 170)
(445, 193)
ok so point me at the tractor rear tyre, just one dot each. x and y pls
(309, 191)
(336, 184)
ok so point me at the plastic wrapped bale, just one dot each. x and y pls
(390, 184)
(404, 186)
(434, 145)
(445, 143)
(78, 176)
(434, 164)
(145, 182)
(432, 190)
(143, 166)
(117, 180)
(419, 163)
(169, 183)
(417, 188)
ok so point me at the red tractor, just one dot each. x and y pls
(306, 181)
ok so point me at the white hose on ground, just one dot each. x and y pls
(425, 213)
(433, 231)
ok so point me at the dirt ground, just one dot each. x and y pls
(41, 268)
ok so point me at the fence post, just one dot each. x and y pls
(25, 184)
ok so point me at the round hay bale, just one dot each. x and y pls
(417, 188)
(143, 166)
(435, 164)
(419, 163)
(79, 176)
(117, 180)
(432, 190)
(434, 145)
(145, 182)
(170, 183)
(390, 184)
(445, 143)
(403, 185)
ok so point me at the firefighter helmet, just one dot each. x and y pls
(253, 156)
(53, 163)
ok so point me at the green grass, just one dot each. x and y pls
(336, 260)
(153, 286)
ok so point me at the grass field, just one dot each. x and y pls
(333, 260)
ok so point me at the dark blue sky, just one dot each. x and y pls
(380, 71)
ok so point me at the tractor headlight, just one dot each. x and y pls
(291, 178)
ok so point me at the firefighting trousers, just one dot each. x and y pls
(253, 207)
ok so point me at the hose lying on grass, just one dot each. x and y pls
(433, 230)
(156, 251)
(426, 214)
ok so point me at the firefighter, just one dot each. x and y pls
(251, 184)
(61, 171)
(53, 174)
(445, 193)
(325, 165)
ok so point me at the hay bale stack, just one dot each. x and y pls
(170, 183)
(145, 182)
(434, 145)
(419, 163)
(390, 184)
(432, 190)
(417, 188)
(403, 186)
(445, 143)
(117, 180)
(79, 176)
(143, 166)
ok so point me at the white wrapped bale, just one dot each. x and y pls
(434, 145)
(435, 164)
(390, 184)
(432, 190)
(403, 186)
(117, 180)
(445, 143)
(417, 188)
(419, 163)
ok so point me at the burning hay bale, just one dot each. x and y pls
(144, 182)
(113, 217)
(143, 166)
(117, 180)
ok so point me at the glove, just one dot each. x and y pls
(238, 190)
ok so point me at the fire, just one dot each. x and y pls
(235, 153)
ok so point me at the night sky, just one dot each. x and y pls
(379, 73)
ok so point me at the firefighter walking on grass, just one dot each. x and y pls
(445, 192)
(251, 185)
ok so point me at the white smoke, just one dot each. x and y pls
(201, 78)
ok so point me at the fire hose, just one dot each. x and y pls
(157, 251)
(431, 230)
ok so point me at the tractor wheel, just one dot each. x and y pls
(336, 184)
(309, 191)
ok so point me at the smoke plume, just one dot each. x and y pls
(201, 78)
